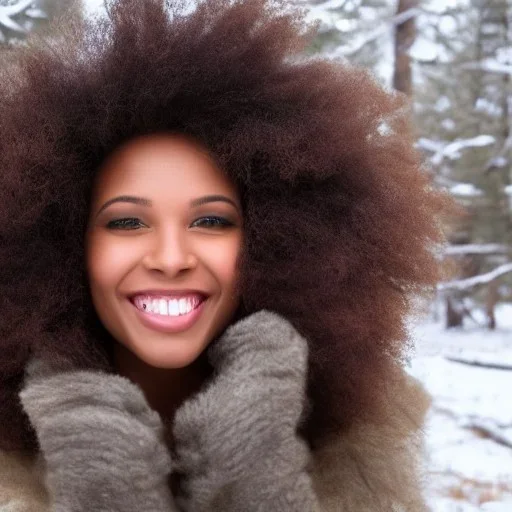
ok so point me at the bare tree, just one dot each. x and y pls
(405, 34)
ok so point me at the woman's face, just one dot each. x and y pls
(163, 239)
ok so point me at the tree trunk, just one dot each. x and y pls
(405, 34)
(506, 366)
(491, 299)
(454, 313)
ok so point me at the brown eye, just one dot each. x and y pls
(128, 223)
(212, 222)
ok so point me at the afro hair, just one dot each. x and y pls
(340, 219)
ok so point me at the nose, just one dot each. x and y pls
(170, 252)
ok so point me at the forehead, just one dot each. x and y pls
(160, 165)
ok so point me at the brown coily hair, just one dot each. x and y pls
(340, 220)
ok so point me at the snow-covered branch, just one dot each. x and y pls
(359, 41)
(467, 190)
(7, 12)
(479, 361)
(488, 428)
(465, 284)
(467, 249)
(500, 159)
(357, 44)
(404, 16)
(489, 66)
(451, 150)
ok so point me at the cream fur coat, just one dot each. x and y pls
(371, 468)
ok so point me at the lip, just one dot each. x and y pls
(169, 324)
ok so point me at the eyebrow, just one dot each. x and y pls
(148, 203)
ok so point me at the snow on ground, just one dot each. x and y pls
(469, 428)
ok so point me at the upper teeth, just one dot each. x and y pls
(170, 307)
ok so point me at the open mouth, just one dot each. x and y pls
(167, 307)
(168, 315)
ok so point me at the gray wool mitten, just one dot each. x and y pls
(103, 446)
(236, 443)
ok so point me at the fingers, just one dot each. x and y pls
(68, 391)
(101, 441)
(263, 340)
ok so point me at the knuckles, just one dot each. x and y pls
(263, 339)
(258, 392)
(69, 392)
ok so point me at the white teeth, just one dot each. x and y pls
(172, 307)
(162, 307)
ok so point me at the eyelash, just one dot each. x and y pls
(118, 223)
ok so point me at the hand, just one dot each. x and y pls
(102, 444)
(236, 441)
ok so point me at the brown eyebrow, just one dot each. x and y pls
(148, 203)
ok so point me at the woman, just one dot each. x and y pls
(208, 252)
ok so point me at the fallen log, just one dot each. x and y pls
(494, 365)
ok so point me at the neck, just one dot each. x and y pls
(164, 389)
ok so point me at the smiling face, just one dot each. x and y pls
(162, 245)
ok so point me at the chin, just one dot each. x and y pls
(169, 359)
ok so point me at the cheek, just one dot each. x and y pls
(222, 260)
(106, 263)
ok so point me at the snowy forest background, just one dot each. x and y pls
(453, 58)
